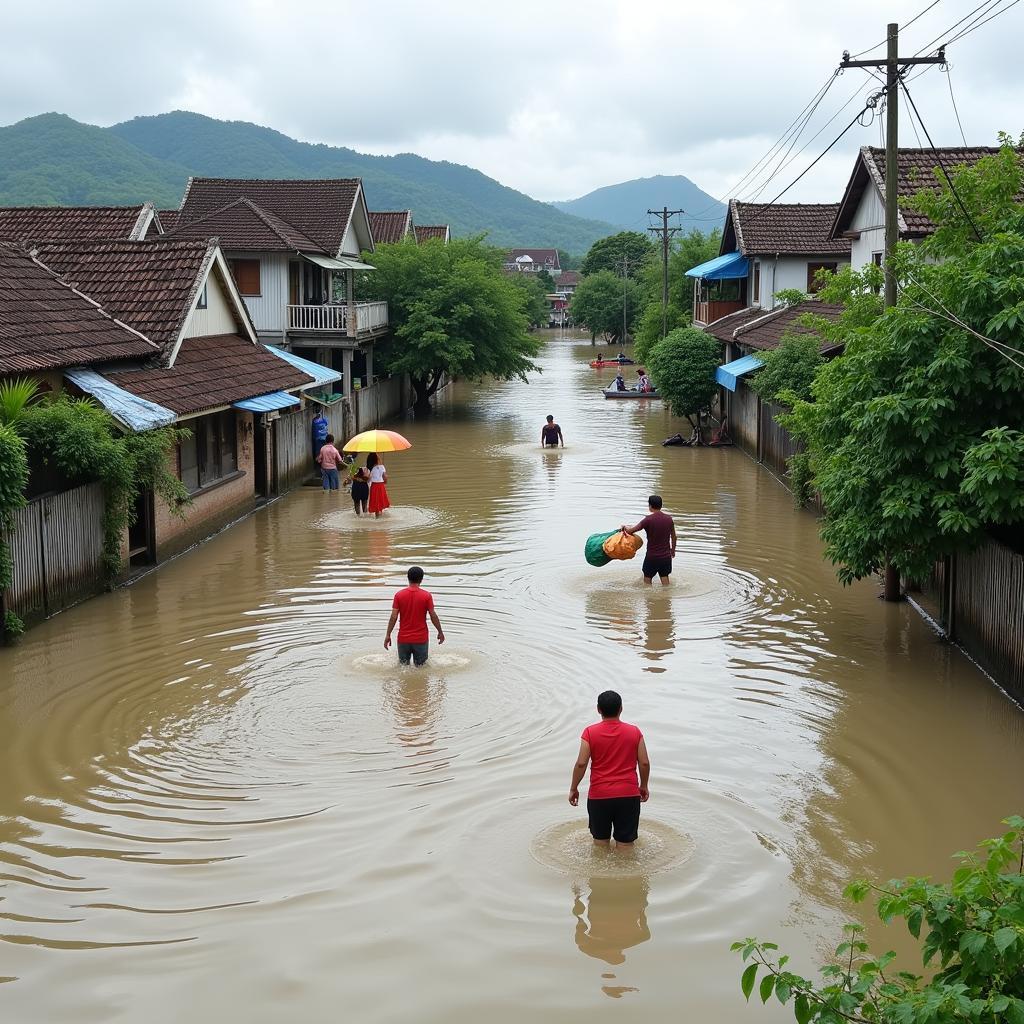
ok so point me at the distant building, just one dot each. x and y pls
(532, 261)
(568, 281)
(427, 232)
(390, 226)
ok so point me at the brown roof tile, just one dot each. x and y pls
(547, 258)
(244, 225)
(766, 331)
(45, 324)
(723, 328)
(791, 229)
(424, 233)
(568, 277)
(320, 209)
(210, 372)
(148, 285)
(390, 226)
(72, 223)
(168, 219)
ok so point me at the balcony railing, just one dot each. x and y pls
(369, 316)
(714, 309)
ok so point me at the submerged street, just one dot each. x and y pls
(221, 800)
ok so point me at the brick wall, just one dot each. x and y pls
(213, 509)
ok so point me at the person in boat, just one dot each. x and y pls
(620, 383)
(643, 382)
(551, 434)
(621, 357)
(600, 358)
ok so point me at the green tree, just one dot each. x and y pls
(535, 303)
(682, 367)
(973, 950)
(608, 254)
(597, 305)
(568, 261)
(15, 396)
(546, 280)
(452, 311)
(686, 252)
(915, 435)
(787, 372)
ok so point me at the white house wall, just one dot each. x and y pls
(268, 310)
(217, 318)
(869, 220)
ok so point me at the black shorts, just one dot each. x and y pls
(657, 567)
(622, 812)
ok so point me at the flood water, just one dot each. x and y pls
(221, 801)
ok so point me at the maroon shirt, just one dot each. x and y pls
(658, 528)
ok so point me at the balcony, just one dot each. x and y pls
(369, 318)
(710, 310)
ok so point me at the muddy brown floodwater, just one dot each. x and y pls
(220, 801)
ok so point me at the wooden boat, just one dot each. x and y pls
(599, 363)
(612, 393)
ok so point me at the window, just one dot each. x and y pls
(247, 276)
(876, 259)
(812, 270)
(757, 280)
(211, 453)
(201, 304)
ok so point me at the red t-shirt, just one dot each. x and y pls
(413, 603)
(613, 747)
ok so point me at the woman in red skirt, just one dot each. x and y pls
(378, 485)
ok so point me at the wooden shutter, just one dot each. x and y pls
(247, 276)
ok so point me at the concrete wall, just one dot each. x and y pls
(213, 508)
(787, 272)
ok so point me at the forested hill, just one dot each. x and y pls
(52, 159)
(625, 205)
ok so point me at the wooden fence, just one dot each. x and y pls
(293, 446)
(776, 445)
(379, 402)
(57, 550)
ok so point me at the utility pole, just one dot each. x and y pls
(894, 66)
(665, 233)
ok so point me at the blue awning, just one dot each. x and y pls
(721, 268)
(320, 374)
(137, 414)
(730, 373)
(268, 403)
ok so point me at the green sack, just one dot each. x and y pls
(594, 549)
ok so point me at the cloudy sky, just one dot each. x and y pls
(554, 98)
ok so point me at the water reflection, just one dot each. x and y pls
(609, 920)
(637, 616)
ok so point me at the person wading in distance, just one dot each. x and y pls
(413, 605)
(551, 434)
(615, 751)
(661, 541)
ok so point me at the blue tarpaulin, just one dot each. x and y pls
(135, 413)
(728, 374)
(268, 403)
(721, 268)
(320, 374)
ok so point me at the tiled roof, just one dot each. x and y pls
(917, 171)
(242, 224)
(425, 232)
(168, 219)
(568, 277)
(389, 226)
(320, 209)
(212, 371)
(148, 285)
(723, 328)
(547, 258)
(72, 223)
(766, 331)
(792, 229)
(44, 323)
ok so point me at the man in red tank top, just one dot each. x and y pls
(615, 751)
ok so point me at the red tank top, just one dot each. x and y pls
(613, 749)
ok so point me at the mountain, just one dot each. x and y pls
(53, 159)
(626, 205)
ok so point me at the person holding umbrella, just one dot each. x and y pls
(378, 485)
(374, 442)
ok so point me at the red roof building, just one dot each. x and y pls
(77, 223)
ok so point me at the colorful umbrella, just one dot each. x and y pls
(377, 441)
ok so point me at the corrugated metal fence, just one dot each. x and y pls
(293, 446)
(57, 550)
(379, 402)
(777, 446)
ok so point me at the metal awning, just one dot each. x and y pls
(341, 263)
(320, 374)
(268, 403)
(137, 414)
(730, 373)
(721, 268)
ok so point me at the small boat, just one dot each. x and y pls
(597, 364)
(613, 393)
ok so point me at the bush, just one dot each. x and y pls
(788, 371)
(682, 367)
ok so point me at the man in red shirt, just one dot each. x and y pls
(614, 750)
(661, 541)
(413, 605)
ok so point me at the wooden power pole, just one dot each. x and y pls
(894, 67)
(665, 233)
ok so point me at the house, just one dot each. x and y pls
(568, 281)
(390, 226)
(294, 247)
(78, 223)
(203, 368)
(766, 248)
(428, 232)
(860, 216)
(558, 309)
(532, 261)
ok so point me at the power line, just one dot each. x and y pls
(974, 27)
(906, 25)
(949, 82)
(989, 4)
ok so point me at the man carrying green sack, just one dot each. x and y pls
(593, 550)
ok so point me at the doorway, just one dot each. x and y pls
(142, 532)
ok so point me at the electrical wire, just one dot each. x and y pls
(989, 5)
(976, 25)
(949, 82)
(904, 26)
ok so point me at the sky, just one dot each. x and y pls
(554, 99)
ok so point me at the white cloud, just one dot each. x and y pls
(554, 99)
